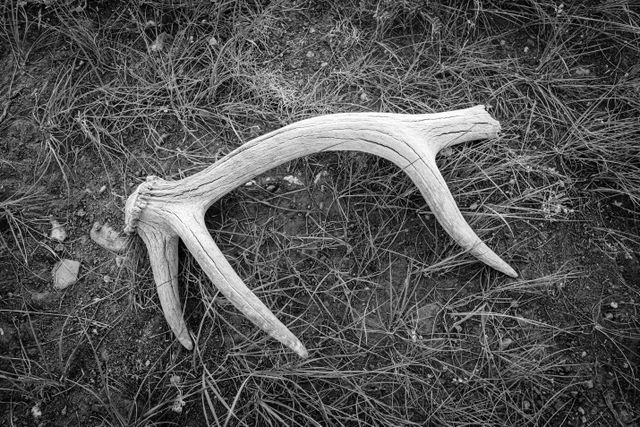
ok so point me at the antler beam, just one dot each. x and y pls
(164, 211)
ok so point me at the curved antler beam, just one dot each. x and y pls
(163, 211)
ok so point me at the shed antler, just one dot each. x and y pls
(163, 211)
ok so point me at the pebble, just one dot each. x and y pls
(614, 304)
(65, 273)
(293, 180)
(58, 233)
(582, 71)
(505, 343)
(319, 176)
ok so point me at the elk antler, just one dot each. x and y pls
(163, 211)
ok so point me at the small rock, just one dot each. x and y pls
(102, 189)
(310, 54)
(213, 41)
(160, 41)
(58, 233)
(36, 411)
(505, 343)
(107, 279)
(608, 316)
(104, 353)
(175, 380)
(614, 304)
(272, 188)
(293, 180)
(319, 176)
(65, 273)
(108, 238)
(324, 64)
(589, 384)
(582, 71)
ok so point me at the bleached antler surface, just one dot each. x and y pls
(164, 211)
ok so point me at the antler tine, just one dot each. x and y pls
(162, 210)
(195, 236)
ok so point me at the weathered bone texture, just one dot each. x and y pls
(163, 211)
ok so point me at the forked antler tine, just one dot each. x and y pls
(432, 186)
(193, 232)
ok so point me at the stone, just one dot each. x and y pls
(58, 233)
(65, 273)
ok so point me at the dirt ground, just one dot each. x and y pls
(402, 326)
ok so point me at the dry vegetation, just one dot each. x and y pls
(403, 328)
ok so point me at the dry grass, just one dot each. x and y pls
(348, 259)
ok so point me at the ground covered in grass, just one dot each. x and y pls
(402, 326)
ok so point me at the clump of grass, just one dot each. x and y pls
(20, 220)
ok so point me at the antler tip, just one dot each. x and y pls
(300, 349)
(186, 342)
(510, 272)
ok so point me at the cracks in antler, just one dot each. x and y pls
(163, 211)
